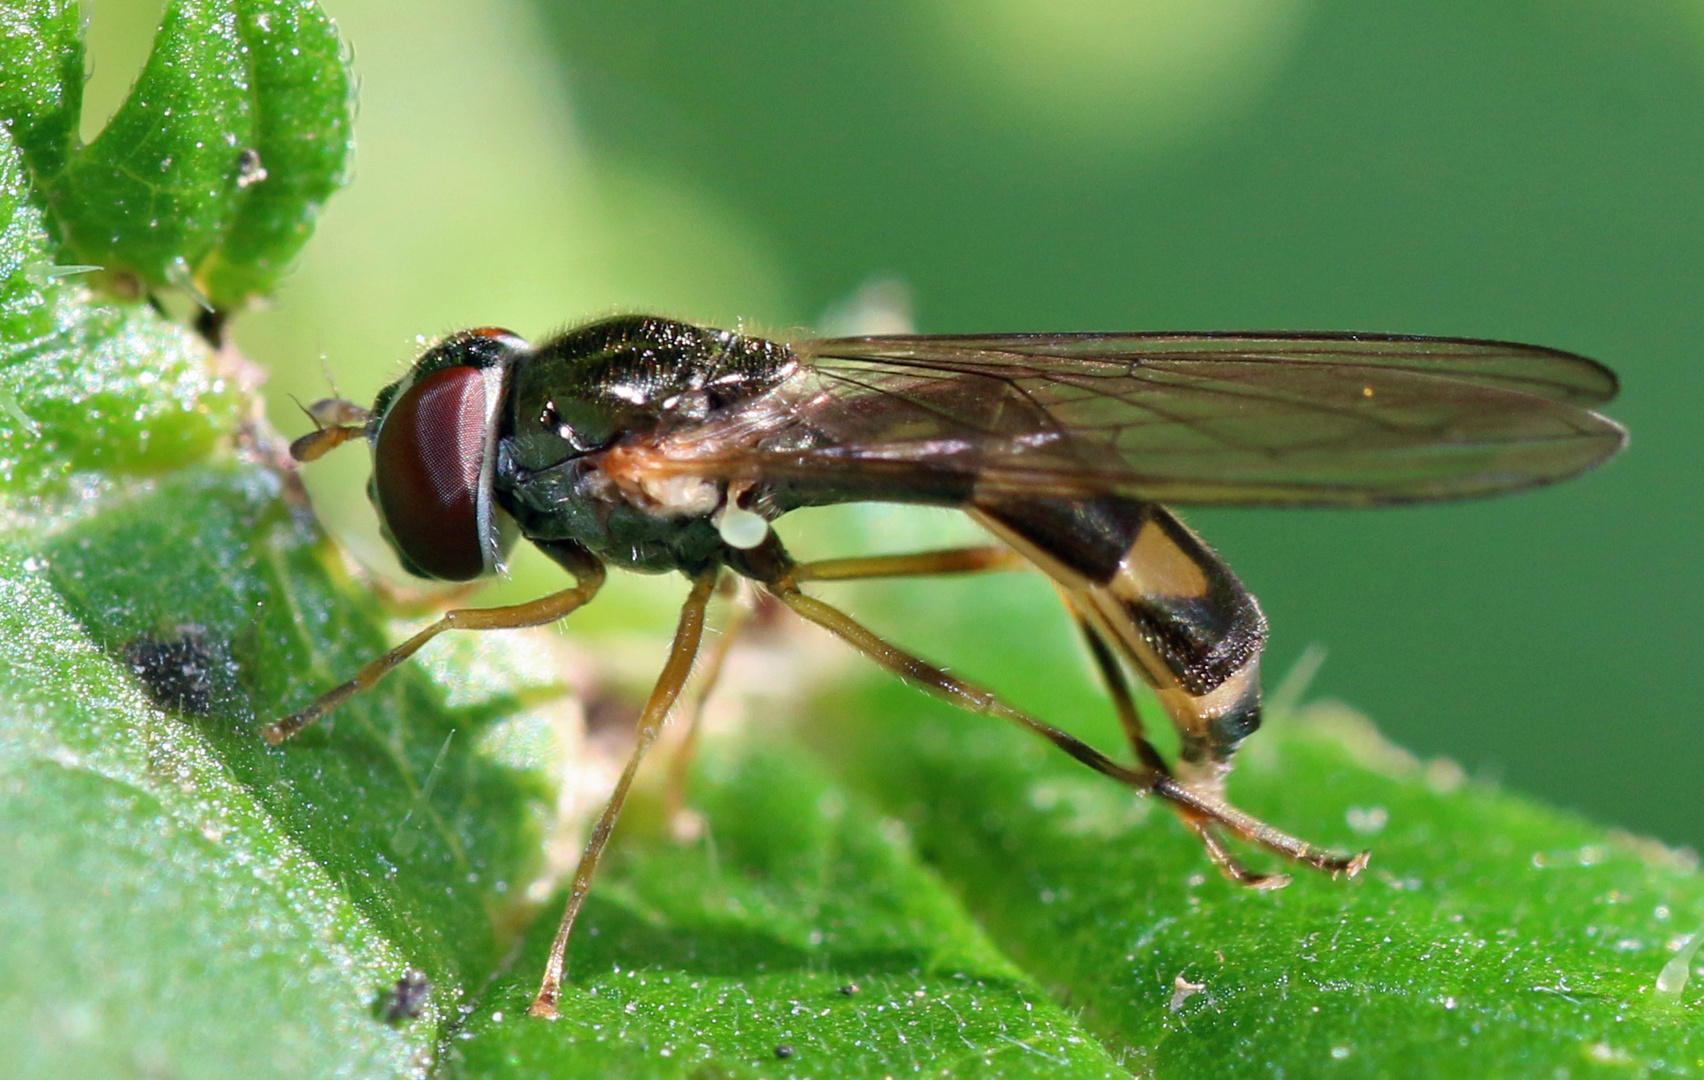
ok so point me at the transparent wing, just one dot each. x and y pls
(1222, 418)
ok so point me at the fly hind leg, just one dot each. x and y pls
(1118, 687)
(1205, 828)
(973, 698)
(965, 560)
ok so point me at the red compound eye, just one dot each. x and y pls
(426, 473)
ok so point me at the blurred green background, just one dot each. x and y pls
(1531, 169)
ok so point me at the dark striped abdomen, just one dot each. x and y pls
(1184, 621)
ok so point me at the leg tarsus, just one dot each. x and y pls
(1228, 865)
(1251, 829)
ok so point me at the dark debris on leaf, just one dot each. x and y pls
(406, 998)
(185, 671)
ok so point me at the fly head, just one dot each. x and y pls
(433, 435)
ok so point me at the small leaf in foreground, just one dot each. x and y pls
(88, 385)
(156, 188)
(41, 97)
(211, 174)
(305, 108)
(25, 255)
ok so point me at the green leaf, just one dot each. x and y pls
(25, 304)
(87, 385)
(212, 173)
(157, 188)
(802, 938)
(41, 97)
(305, 108)
(114, 387)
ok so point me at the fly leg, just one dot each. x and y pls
(709, 673)
(1129, 717)
(970, 560)
(588, 578)
(1142, 778)
(1221, 857)
(1203, 814)
(966, 560)
(688, 634)
(1205, 828)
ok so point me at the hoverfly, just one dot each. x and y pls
(655, 445)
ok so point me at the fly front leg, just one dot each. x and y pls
(688, 635)
(588, 579)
